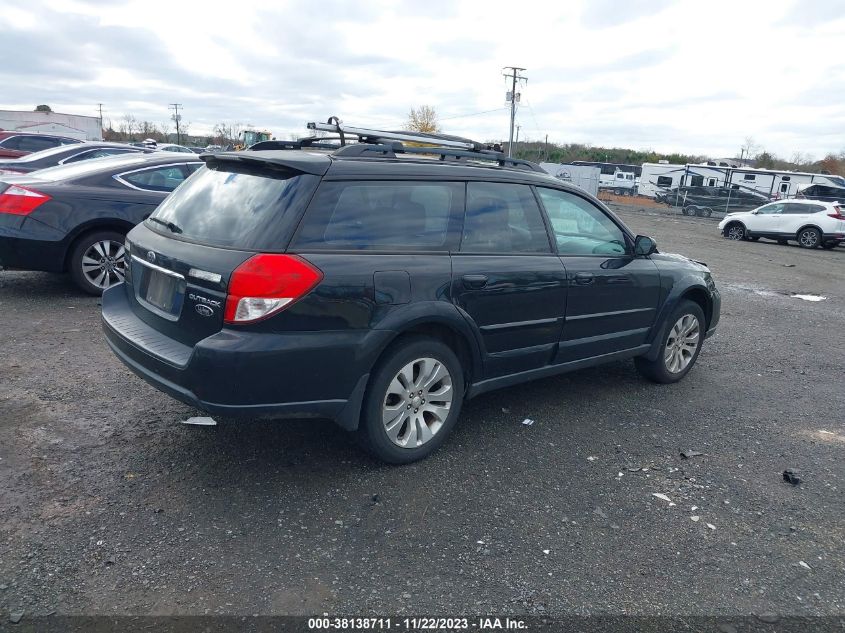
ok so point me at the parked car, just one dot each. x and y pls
(381, 291)
(64, 155)
(198, 150)
(15, 144)
(811, 223)
(73, 218)
(703, 201)
(172, 147)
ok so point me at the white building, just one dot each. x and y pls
(85, 128)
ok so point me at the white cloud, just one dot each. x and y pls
(672, 76)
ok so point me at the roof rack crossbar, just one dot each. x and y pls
(387, 135)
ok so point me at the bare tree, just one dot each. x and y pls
(128, 125)
(422, 119)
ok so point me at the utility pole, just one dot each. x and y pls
(100, 107)
(547, 147)
(176, 118)
(516, 139)
(514, 76)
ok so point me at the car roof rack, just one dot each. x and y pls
(387, 144)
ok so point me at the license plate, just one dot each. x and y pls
(161, 291)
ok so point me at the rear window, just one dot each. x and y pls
(417, 216)
(235, 205)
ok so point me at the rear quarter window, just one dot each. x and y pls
(235, 205)
(389, 216)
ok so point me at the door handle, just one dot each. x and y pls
(474, 282)
(584, 279)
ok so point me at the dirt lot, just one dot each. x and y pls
(111, 506)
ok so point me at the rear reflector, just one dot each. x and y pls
(267, 283)
(18, 200)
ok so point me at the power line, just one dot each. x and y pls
(463, 116)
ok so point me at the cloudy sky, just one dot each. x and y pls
(692, 75)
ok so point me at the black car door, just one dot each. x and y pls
(507, 280)
(613, 296)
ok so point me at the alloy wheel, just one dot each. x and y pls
(682, 342)
(736, 232)
(809, 238)
(417, 402)
(103, 263)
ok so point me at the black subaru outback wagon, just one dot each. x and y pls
(381, 288)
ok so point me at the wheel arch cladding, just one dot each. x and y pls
(456, 340)
(699, 296)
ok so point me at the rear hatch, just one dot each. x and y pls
(181, 258)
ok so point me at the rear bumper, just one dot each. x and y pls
(246, 374)
(21, 248)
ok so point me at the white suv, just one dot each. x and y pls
(811, 223)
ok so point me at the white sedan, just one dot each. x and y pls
(811, 223)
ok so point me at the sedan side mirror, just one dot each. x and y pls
(644, 246)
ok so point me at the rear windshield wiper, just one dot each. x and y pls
(170, 225)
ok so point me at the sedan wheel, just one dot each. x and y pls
(98, 261)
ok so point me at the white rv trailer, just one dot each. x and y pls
(622, 178)
(657, 178)
(584, 176)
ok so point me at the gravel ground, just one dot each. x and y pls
(110, 506)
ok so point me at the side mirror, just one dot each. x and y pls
(755, 212)
(644, 246)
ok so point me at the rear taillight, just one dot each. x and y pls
(18, 200)
(265, 284)
(837, 214)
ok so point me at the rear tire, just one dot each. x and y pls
(809, 238)
(97, 261)
(680, 344)
(413, 400)
(705, 212)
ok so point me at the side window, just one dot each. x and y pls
(503, 218)
(37, 143)
(697, 181)
(664, 181)
(772, 209)
(749, 177)
(421, 216)
(581, 228)
(164, 179)
(82, 156)
(11, 142)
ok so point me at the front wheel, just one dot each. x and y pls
(809, 238)
(97, 261)
(412, 402)
(681, 342)
(691, 210)
(735, 231)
